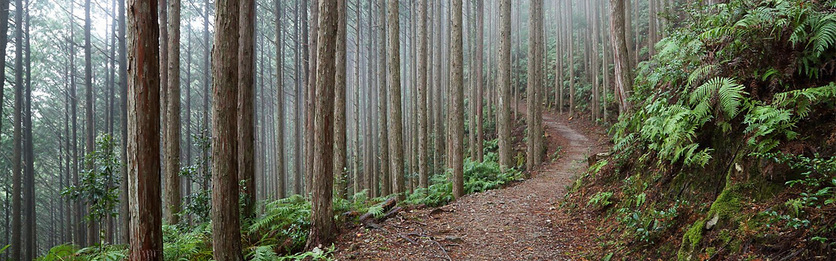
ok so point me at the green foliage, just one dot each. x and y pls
(191, 244)
(648, 224)
(817, 182)
(284, 224)
(105, 253)
(99, 186)
(600, 200)
(478, 177)
(59, 252)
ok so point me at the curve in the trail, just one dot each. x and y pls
(514, 223)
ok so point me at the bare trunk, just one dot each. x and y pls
(456, 100)
(246, 109)
(534, 150)
(620, 56)
(396, 144)
(323, 229)
(225, 226)
(281, 175)
(386, 187)
(423, 141)
(172, 157)
(339, 107)
(504, 84)
(143, 132)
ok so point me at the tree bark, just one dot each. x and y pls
(124, 213)
(17, 168)
(246, 110)
(423, 141)
(534, 150)
(504, 84)
(383, 140)
(143, 131)
(225, 219)
(172, 162)
(280, 162)
(322, 217)
(620, 56)
(480, 94)
(339, 106)
(456, 117)
(310, 102)
(90, 140)
(396, 144)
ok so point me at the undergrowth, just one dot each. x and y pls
(729, 151)
(281, 230)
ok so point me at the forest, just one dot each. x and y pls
(418, 130)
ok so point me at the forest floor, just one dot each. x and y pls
(523, 221)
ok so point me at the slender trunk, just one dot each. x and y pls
(17, 168)
(340, 106)
(359, 177)
(383, 120)
(143, 132)
(504, 84)
(395, 124)
(534, 150)
(620, 56)
(480, 94)
(90, 137)
(423, 141)
(280, 163)
(456, 100)
(172, 158)
(310, 102)
(246, 109)
(297, 180)
(124, 213)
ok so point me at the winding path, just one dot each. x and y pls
(520, 222)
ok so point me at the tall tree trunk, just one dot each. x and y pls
(339, 106)
(246, 110)
(225, 215)
(310, 102)
(480, 94)
(383, 140)
(124, 213)
(359, 177)
(297, 181)
(396, 145)
(439, 95)
(280, 164)
(17, 168)
(423, 141)
(90, 140)
(30, 220)
(534, 150)
(504, 84)
(620, 57)
(652, 30)
(172, 162)
(571, 40)
(322, 218)
(205, 170)
(143, 132)
(456, 117)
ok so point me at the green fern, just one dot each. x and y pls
(726, 92)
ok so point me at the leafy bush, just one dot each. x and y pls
(600, 200)
(478, 177)
(99, 186)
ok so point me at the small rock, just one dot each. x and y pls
(711, 223)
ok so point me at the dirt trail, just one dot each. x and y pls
(520, 222)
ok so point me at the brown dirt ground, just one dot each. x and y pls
(523, 221)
